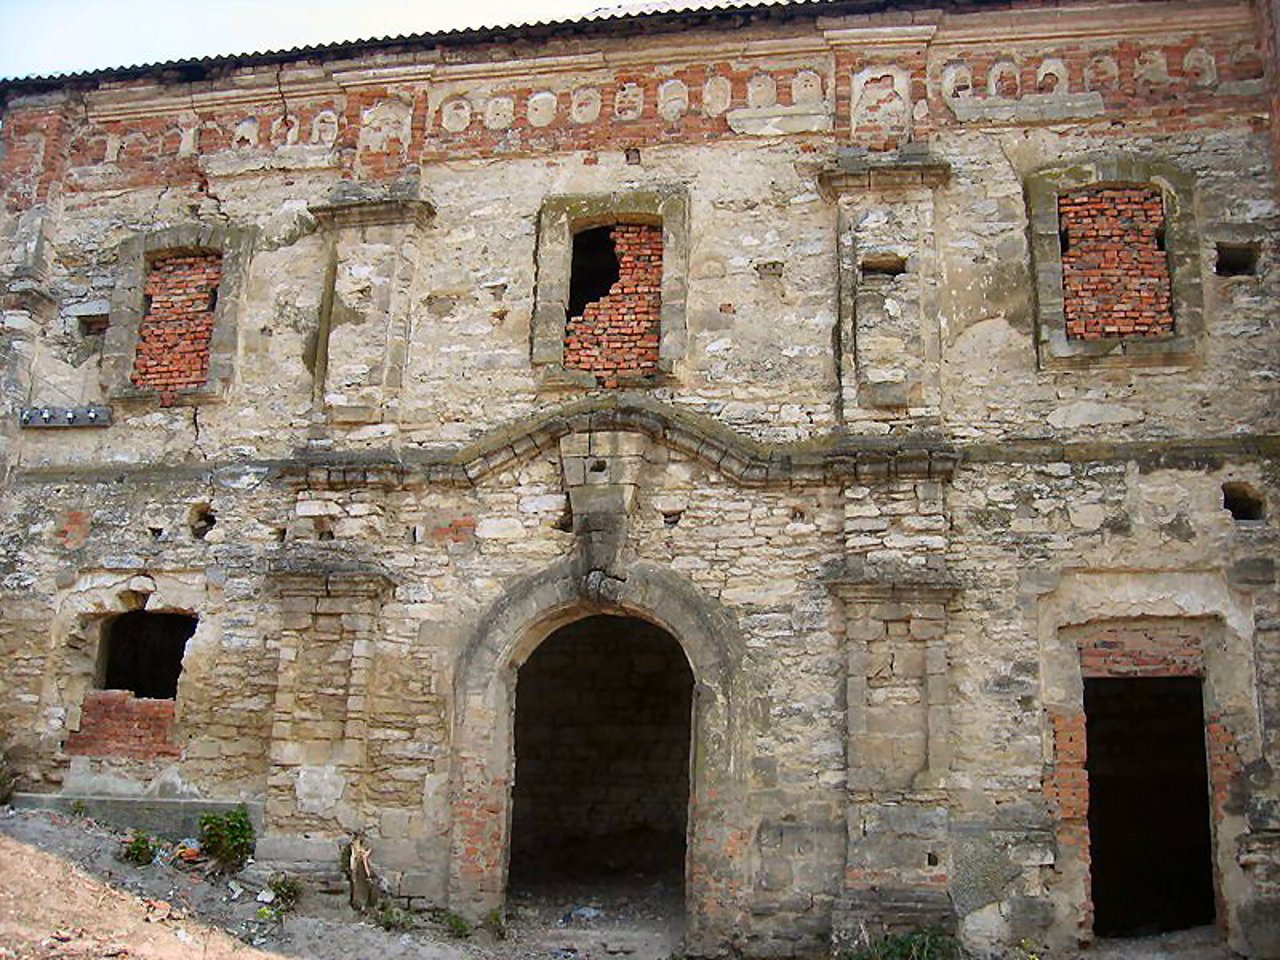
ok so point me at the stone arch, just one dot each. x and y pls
(484, 684)
(1082, 598)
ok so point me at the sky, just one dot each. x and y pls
(40, 37)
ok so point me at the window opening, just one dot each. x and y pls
(883, 265)
(203, 519)
(176, 330)
(94, 325)
(595, 268)
(1237, 260)
(1150, 843)
(1243, 502)
(142, 652)
(615, 303)
(1115, 269)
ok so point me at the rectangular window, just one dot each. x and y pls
(177, 325)
(1115, 273)
(1117, 262)
(615, 303)
(609, 300)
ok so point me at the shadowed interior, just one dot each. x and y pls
(602, 754)
(1151, 861)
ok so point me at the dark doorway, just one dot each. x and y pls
(1149, 828)
(602, 733)
(142, 652)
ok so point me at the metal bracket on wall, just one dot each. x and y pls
(42, 417)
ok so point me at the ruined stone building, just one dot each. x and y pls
(827, 451)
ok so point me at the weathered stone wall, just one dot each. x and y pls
(866, 491)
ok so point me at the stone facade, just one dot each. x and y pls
(893, 512)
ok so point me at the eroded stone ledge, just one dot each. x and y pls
(832, 459)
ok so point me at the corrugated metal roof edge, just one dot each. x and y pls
(464, 35)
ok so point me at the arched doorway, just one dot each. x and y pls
(603, 723)
(483, 762)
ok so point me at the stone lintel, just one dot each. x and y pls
(373, 213)
(856, 579)
(318, 580)
(856, 170)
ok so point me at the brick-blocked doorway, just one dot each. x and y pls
(1150, 844)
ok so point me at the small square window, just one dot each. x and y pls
(94, 325)
(1236, 260)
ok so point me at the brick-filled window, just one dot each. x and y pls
(1117, 258)
(181, 295)
(615, 303)
(132, 714)
(612, 280)
(1115, 271)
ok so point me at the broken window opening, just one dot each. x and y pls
(595, 268)
(1242, 501)
(202, 520)
(142, 652)
(602, 731)
(1150, 842)
(94, 325)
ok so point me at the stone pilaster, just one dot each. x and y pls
(898, 751)
(318, 733)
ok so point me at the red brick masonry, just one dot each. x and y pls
(114, 724)
(1115, 276)
(616, 338)
(173, 338)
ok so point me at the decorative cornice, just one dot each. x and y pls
(833, 459)
(1081, 23)
(133, 103)
(273, 82)
(913, 35)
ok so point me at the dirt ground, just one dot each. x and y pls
(64, 893)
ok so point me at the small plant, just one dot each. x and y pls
(287, 890)
(456, 925)
(1027, 949)
(496, 924)
(140, 849)
(389, 915)
(79, 809)
(227, 838)
(920, 945)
